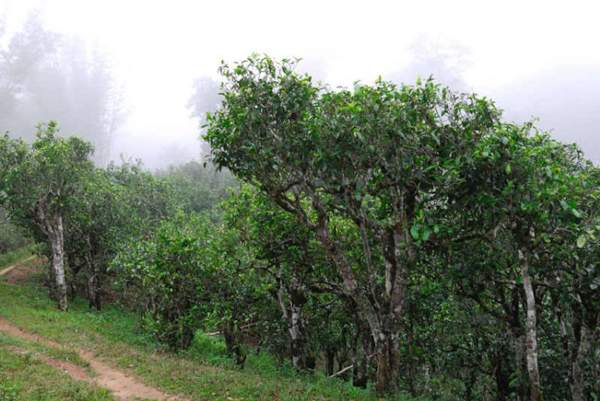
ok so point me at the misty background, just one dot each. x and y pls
(136, 78)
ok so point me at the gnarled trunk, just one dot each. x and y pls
(56, 238)
(531, 348)
(329, 361)
(387, 372)
(94, 295)
(581, 350)
(292, 314)
(232, 342)
(382, 312)
(51, 224)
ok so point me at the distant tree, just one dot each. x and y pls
(537, 201)
(48, 76)
(205, 98)
(198, 187)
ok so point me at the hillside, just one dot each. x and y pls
(99, 356)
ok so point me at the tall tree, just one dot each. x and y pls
(37, 184)
(376, 156)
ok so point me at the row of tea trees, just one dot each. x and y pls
(81, 212)
(401, 236)
(399, 185)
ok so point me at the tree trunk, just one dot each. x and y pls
(386, 361)
(382, 316)
(94, 295)
(521, 365)
(360, 370)
(501, 376)
(95, 300)
(329, 361)
(517, 341)
(51, 224)
(531, 349)
(363, 348)
(293, 316)
(56, 237)
(576, 374)
(297, 343)
(234, 348)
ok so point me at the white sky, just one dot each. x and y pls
(159, 47)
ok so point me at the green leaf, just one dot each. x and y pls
(581, 240)
(414, 231)
(426, 234)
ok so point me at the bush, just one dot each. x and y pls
(168, 274)
(11, 236)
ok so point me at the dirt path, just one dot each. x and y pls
(15, 265)
(76, 372)
(123, 386)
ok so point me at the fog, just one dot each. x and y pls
(136, 78)
(564, 99)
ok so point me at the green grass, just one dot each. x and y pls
(7, 259)
(25, 378)
(201, 373)
(33, 347)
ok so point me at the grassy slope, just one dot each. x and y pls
(201, 373)
(7, 259)
(23, 377)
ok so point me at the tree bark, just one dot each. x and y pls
(95, 300)
(531, 348)
(501, 376)
(386, 361)
(360, 370)
(382, 316)
(293, 317)
(329, 361)
(234, 348)
(56, 238)
(363, 348)
(578, 338)
(576, 374)
(94, 295)
(51, 224)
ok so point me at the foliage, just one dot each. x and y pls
(170, 274)
(199, 373)
(38, 185)
(198, 188)
(407, 186)
(12, 236)
(404, 238)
